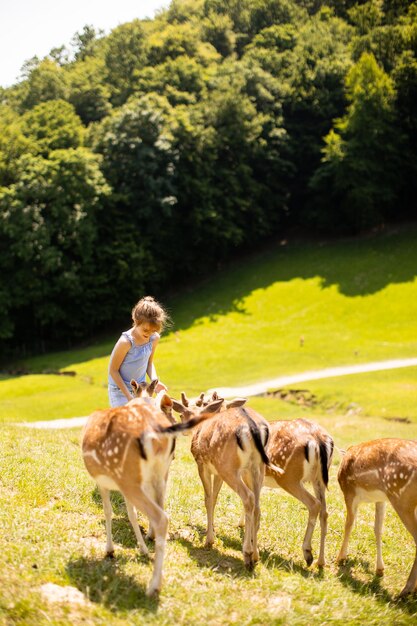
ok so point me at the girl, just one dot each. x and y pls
(133, 354)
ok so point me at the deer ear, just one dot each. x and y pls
(184, 399)
(178, 407)
(214, 406)
(134, 385)
(215, 395)
(231, 404)
(152, 385)
(165, 401)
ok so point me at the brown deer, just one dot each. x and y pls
(231, 449)
(304, 451)
(129, 449)
(381, 471)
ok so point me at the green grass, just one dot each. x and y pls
(52, 530)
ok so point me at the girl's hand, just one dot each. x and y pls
(160, 387)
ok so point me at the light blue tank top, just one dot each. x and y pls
(136, 360)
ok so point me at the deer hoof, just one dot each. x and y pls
(152, 592)
(404, 593)
(248, 560)
(308, 555)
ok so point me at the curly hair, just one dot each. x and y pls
(150, 311)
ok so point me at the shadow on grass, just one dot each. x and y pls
(275, 561)
(214, 559)
(373, 587)
(103, 581)
(272, 560)
(122, 530)
(116, 499)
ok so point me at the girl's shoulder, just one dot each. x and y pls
(126, 337)
(154, 337)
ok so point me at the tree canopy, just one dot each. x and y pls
(134, 160)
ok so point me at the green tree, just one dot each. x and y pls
(139, 163)
(87, 89)
(405, 79)
(53, 125)
(46, 81)
(125, 55)
(181, 80)
(13, 144)
(230, 174)
(48, 227)
(311, 65)
(85, 42)
(173, 41)
(218, 30)
(359, 176)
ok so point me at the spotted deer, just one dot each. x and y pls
(304, 450)
(230, 448)
(129, 449)
(381, 471)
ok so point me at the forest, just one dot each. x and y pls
(142, 160)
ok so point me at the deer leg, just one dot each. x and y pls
(206, 479)
(241, 522)
(217, 485)
(248, 499)
(157, 494)
(408, 518)
(105, 496)
(313, 507)
(159, 520)
(320, 492)
(132, 514)
(379, 522)
(410, 585)
(351, 511)
(257, 480)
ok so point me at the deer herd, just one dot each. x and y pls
(130, 448)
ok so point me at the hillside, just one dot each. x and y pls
(292, 308)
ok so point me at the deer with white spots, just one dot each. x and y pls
(381, 471)
(304, 451)
(230, 448)
(129, 449)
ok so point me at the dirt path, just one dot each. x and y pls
(275, 383)
(259, 388)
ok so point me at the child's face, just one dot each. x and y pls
(145, 330)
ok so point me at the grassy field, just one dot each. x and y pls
(52, 529)
(351, 302)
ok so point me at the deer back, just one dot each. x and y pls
(115, 441)
(385, 465)
(303, 449)
(228, 435)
